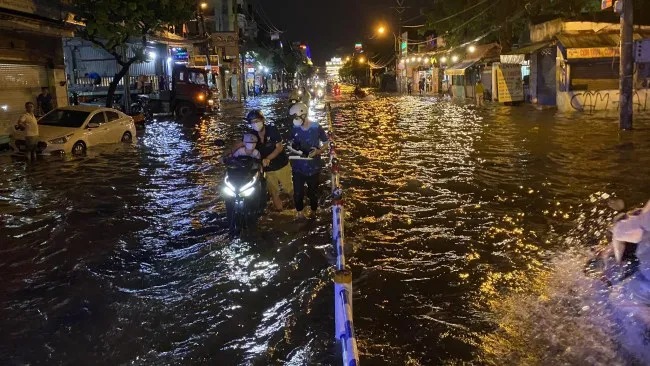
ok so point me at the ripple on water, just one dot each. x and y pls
(452, 210)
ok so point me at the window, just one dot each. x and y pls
(98, 118)
(64, 118)
(112, 116)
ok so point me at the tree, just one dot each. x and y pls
(112, 24)
(460, 21)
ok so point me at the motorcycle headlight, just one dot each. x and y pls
(228, 185)
(229, 192)
(211, 102)
(248, 185)
(247, 192)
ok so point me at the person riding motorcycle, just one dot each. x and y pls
(359, 93)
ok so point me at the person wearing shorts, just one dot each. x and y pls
(29, 124)
(274, 158)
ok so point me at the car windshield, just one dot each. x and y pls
(197, 77)
(64, 118)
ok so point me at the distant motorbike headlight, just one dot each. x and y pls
(229, 192)
(211, 102)
(320, 93)
(247, 192)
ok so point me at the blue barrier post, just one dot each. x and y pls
(344, 326)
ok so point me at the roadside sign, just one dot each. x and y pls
(509, 82)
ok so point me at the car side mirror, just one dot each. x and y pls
(93, 125)
(220, 143)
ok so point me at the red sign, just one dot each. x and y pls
(604, 4)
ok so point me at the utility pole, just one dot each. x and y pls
(626, 68)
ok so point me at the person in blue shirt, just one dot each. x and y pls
(308, 137)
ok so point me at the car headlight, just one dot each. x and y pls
(211, 102)
(247, 192)
(59, 141)
(228, 191)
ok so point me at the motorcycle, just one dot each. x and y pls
(244, 192)
(141, 111)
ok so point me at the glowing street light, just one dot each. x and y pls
(471, 49)
(204, 5)
(412, 59)
(443, 59)
(260, 68)
(266, 69)
(419, 59)
(381, 30)
(454, 58)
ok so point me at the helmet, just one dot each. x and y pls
(299, 110)
(254, 114)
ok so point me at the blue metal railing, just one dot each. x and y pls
(344, 326)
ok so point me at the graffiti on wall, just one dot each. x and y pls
(604, 100)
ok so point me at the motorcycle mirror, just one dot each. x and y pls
(220, 143)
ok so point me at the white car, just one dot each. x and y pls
(74, 129)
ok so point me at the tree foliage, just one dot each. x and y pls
(111, 24)
(461, 21)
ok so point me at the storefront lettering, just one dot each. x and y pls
(596, 52)
(509, 83)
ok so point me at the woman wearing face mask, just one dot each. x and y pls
(274, 159)
(308, 137)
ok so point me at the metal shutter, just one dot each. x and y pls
(19, 84)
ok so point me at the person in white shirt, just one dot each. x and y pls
(29, 124)
(250, 142)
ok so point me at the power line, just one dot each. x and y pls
(446, 18)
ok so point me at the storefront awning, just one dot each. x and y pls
(519, 55)
(460, 68)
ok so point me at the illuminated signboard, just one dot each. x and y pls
(358, 46)
(179, 54)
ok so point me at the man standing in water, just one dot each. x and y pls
(308, 137)
(274, 159)
(479, 93)
(28, 123)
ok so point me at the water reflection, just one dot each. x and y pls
(455, 214)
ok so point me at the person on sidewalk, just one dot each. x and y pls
(409, 87)
(28, 123)
(308, 137)
(480, 90)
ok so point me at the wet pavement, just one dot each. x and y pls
(123, 256)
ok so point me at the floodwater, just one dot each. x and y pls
(463, 221)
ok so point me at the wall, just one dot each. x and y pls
(600, 100)
(86, 58)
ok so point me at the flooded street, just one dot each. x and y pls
(123, 256)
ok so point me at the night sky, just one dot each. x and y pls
(329, 24)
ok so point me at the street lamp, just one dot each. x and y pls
(204, 5)
(454, 58)
(443, 59)
(381, 30)
(471, 49)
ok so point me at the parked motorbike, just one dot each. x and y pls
(141, 111)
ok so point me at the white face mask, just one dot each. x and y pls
(257, 126)
(250, 146)
(297, 122)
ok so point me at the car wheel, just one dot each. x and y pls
(79, 148)
(127, 137)
(184, 110)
